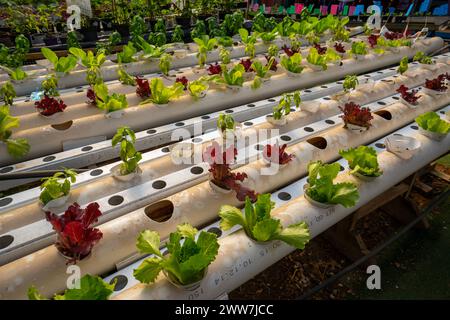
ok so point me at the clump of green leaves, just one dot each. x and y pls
(188, 257)
(109, 103)
(63, 64)
(322, 189)
(92, 62)
(8, 93)
(362, 160)
(16, 147)
(162, 94)
(127, 54)
(225, 56)
(284, 105)
(359, 48)
(422, 58)
(178, 34)
(50, 86)
(16, 74)
(72, 40)
(91, 288)
(128, 154)
(205, 45)
(164, 63)
(350, 82)
(431, 121)
(273, 51)
(108, 45)
(262, 70)
(198, 88)
(259, 225)
(234, 76)
(57, 186)
(226, 122)
(126, 78)
(292, 63)
(403, 67)
(249, 41)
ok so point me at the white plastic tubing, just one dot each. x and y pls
(199, 205)
(49, 139)
(240, 259)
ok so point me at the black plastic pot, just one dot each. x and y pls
(184, 22)
(123, 29)
(51, 41)
(89, 34)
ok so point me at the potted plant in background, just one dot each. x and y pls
(75, 235)
(322, 192)
(184, 246)
(363, 162)
(432, 126)
(356, 118)
(129, 168)
(55, 190)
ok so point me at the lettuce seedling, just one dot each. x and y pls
(350, 82)
(276, 154)
(16, 147)
(91, 288)
(259, 225)
(164, 63)
(143, 88)
(431, 121)
(189, 255)
(184, 81)
(109, 103)
(15, 74)
(63, 64)
(409, 96)
(226, 122)
(8, 93)
(438, 83)
(362, 160)
(128, 154)
(359, 48)
(273, 51)
(262, 70)
(125, 78)
(322, 189)
(205, 45)
(234, 76)
(162, 94)
(269, 36)
(92, 62)
(57, 186)
(50, 86)
(150, 51)
(284, 105)
(249, 41)
(403, 67)
(214, 69)
(354, 114)
(127, 54)
(48, 106)
(225, 41)
(422, 58)
(75, 235)
(197, 88)
(224, 56)
(247, 63)
(293, 63)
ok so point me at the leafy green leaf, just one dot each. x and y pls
(296, 235)
(186, 230)
(363, 160)
(91, 288)
(148, 270)
(230, 216)
(33, 294)
(148, 242)
(432, 122)
(265, 230)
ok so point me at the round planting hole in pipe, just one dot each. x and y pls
(165, 150)
(328, 121)
(318, 142)
(380, 145)
(271, 100)
(339, 82)
(159, 184)
(326, 98)
(197, 170)
(6, 169)
(250, 105)
(414, 127)
(96, 172)
(248, 123)
(115, 200)
(206, 117)
(442, 112)
(396, 98)
(216, 231)
(284, 196)
(121, 283)
(341, 168)
(229, 111)
(160, 211)
(308, 129)
(5, 241)
(324, 87)
(384, 114)
(382, 103)
(62, 126)
(151, 131)
(285, 138)
(5, 201)
(179, 124)
(259, 147)
(49, 158)
(88, 148)
(197, 140)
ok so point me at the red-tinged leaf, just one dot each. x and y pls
(184, 81)
(372, 39)
(74, 231)
(354, 114)
(214, 69)
(91, 214)
(320, 50)
(247, 63)
(48, 106)
(409, 96)
(339, 47)
(143, 88)
(55, 221)
(437, 84)
(289, 51)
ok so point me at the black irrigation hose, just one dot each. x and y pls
(377, 250)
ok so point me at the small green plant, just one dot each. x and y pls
(273, 51)
(322, 189)
(109, 103)
(50, 86)
(72, 40)
(198, 30)
(91, 288)
(259, 225)
(249, 42)
(403, 67)
(198, 88)
(8, 93)
(292, 63)
(57, 186)
(128, 154)
(164, 63)
(189, 255)
(362, 160)
(125, 78)
(150, 51)
(350, 82)
(226, 122)
(422, 58)
(15, 74)
(283, 108)
(262, 70)
(234, 76)
(225, 41)
(63, 64)
(16, 147)
(92, 62)
(225, 56)
(160, 26)
(431, 121)
(127, 54)
(108, 45)
(205, 45)
(359, 48)
(162, 94)
(268, 37)
(178, 34)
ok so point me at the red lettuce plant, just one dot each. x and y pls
(275, 153)
(247, 63)
(437, 84)
(320, 50)
(76, 236)
(409, 96)
(289, 51)
(184, 81)
(222, 175)
(92, 97)
(372, 39)
(339, 47)
(354, 114)
(48, 106)
(143, 88)
(214, 69)
(274, 65)
(393, 35)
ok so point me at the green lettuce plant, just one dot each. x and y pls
(262, 70)
(16, 74)
(127, 54)
(431, 121)
(422, 58)
(197, 88)
(259, 225)
(359, 48)
(92, 62)
(283, 108)
(189, 255)
(234, 76)
(322, 189)
(164, 63)
(91, 288)
(16, 147)
(350, 82)
(403, 67)
(178, 34)
(150, 51)
(158, 39)
(63, 64)
(273, 51)
(362, 160)
(225, 56)
(128, 154)
(205, 45)
(125, 78)
(225, 41)
(162, 94)
(226, 122)
(292, 63)
(268, 36)
(284, 28)
(249, 41)
(50, 86)
(8, 93)
(108, 45)
(57, 186)
(109, 103)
